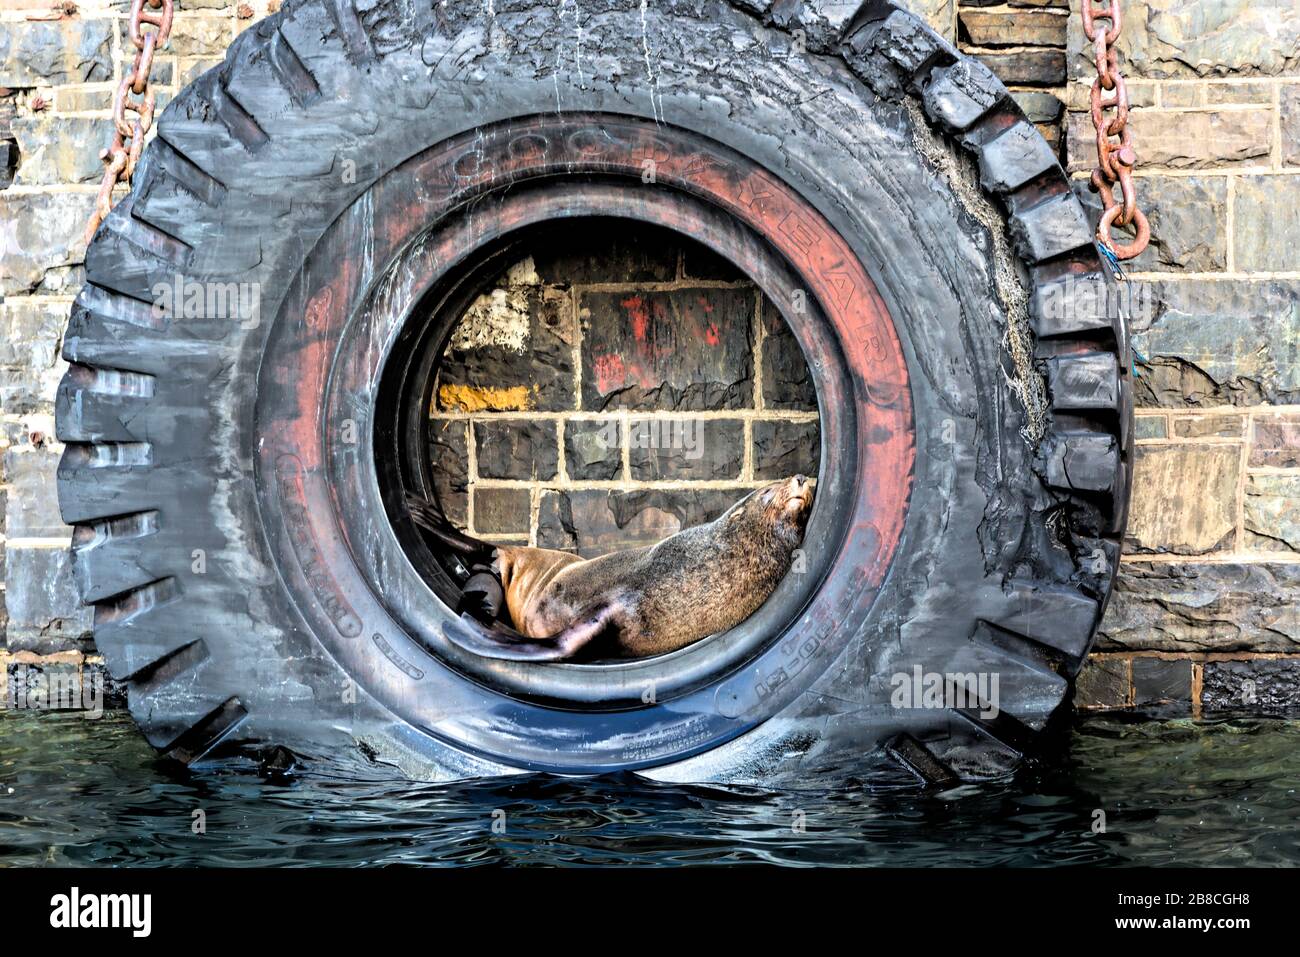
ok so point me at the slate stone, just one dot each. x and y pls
(502, 511)
(1183, 139)
(1204, 607)
(1018, 28)
(1275, 442)
(1189, 223)
(33, 505)
(37, 227)
(1161, 681)
(58, 149)
(1184, 499)
(593, 450)
(55, 52)
(605, 251)
(787, 382)
(1289, 118)
(1259, 686)
(681, 449)
(1042, 67)
(684, 349)
(1150, 427)
(783, 449)
(514, 449)
(1271, 513)
(30, 366)
(1267, 223)
(1225, 342)
(512, 351)
(449, 457)
(45, 610)
(1102, 683)
(1208, 426)
(1178, 38)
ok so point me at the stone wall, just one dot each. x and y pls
(615, 385)
(1206, 611)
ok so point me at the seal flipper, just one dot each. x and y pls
(430, 518)
(483, 597)
(506, 644)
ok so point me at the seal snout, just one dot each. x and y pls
(798, 494)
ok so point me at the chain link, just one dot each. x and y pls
(133, 96)
(1115, 153)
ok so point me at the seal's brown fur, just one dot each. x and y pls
(657, 598)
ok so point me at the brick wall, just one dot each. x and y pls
(1211, 582)
(616, 384)
(1205, 614)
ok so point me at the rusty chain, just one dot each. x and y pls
(1115, 153)
(134, 96)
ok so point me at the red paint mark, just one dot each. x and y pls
(711, 334)
(610, 373)
(639, 315)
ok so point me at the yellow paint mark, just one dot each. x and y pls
(468, 398)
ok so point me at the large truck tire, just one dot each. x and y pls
(236, 478)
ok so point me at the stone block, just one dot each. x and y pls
(515, 449)
(1275, 442)
(783, 448)
(1209, 426)
(1226, 342)
(449, 457)
(1027, 67)
(512, 350)
(502, 511)
(1189, 223)
(787, 382)
(684, 349)
(1184, 499)
(1267, 685)
(1266, 228)
(39, 229)
(1182, 139)
(45, 610)
(1188, 38)
(1150, 427)
(33, 505)
(60, 149)
(54, 52)
(1103, 683)
(1271, 513)
(1289, 119)
(593, 450)
(1257, 93)
(1161, 681)
(30, 367)
(681, 448)
(1204, 607)
(1012, 28)
(606, 251)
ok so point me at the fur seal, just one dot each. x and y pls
(637, 602)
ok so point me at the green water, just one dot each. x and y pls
(90, 793)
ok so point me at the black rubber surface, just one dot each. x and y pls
(915, 154)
